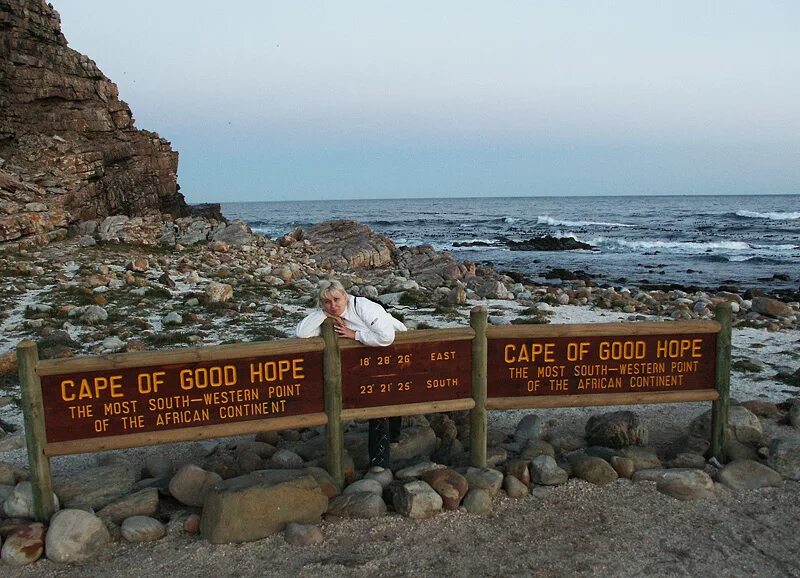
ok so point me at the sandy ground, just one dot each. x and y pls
(576, 529)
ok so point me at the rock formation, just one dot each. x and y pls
(66, 139)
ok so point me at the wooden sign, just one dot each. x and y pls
(405, 373)
(553, 366)
(161, 397)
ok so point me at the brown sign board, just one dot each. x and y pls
(405, 373)
(560, 365)
(153, 398)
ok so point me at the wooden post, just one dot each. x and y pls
(43, 504)
(478, 425)
(332, 380)
(719, 408)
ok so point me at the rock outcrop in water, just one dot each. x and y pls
(66, 139)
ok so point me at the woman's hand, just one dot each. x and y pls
(343, 331)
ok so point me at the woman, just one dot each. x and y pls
(367, 322)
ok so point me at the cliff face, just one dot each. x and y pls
(64, 130)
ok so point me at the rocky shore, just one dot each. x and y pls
(151, 282)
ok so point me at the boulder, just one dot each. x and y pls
(358, 505)
(594, 470)
(219, 292)
(743, 426)
(24, 545)
(686, 484)
(478, 501)
(414, 442)
(484, 479)
(75, 536)
(417, 500)
(20, 503)
(191, 484)
(449, 484)
(625, 467)
(364, 485)
(142, 529)
(251, 507)
(545, 471)
(514, 487)
(95, 487)
(771, 307)
(302, 534)
(141, 503)
(529, 428)
(642, 458)
(784, 456)
(616, 430)
(748, 475)
(383, 476)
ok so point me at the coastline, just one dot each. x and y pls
(266, 304)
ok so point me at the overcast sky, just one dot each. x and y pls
(369, 99)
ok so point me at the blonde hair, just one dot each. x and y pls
(327, 287)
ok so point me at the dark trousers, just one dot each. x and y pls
(382, 431)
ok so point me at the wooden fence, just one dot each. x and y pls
(90, 404)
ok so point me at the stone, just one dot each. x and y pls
(545, 471)
(417, 500)
(236, 233)
(20, 503)
(771, 307)
(616, 430)
(141, 503)
(625, 467)
(748, 475)
(349, 244)
(113, 343)
(142, 529)
(529, 428)
(260, 504)
(159, 465)
(642, 458)
(191, 484)
(478, 501)
(93, 315)
(520, 470)
(357, 505)
(537, 448)
(484, 479)
(172, 318)
(784, 456)
(11, 475)
(218, 292)
(514, 487)
(364, 485)
(383, 476)
(285, 459)
(418, 470)
(688, 460)
(95, 487)
(449, 484)
(75, 536)
(24, 545)
(191, 525)
(414, 442)
(686, 484)
(743, 426)
(302, 534)
(594, 470)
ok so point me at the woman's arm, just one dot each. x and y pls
(311, 325)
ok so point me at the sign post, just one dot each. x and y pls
(719, 409)
(478, 420)
(43, 504)
(332, 380)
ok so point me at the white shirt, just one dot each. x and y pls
(371, 322)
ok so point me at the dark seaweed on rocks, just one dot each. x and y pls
(548, 243)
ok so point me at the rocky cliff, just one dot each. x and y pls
(66, 139)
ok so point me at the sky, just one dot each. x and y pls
(293, 100)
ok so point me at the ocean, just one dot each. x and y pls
(692, 241)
